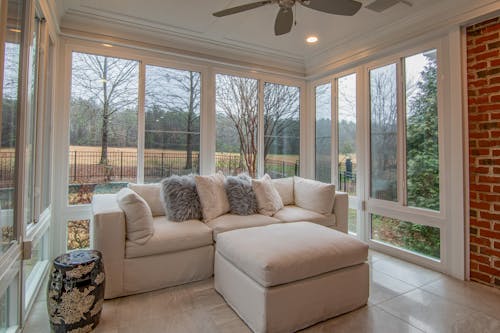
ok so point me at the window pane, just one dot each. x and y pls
(10, 84)
(78, 234)
(422, 150)
(347, 133)
(324, 133)
(9, 319)
(34, 267)
(281, 130)
(414, 237)
(352, 218)
(103, 125)
(384, 138)
(31, 118)
(237, 118)
(172, 137)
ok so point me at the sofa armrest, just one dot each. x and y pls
(341, 211)
(109, 238)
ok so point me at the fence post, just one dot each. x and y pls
(121, 165)
(74, 167)
(296, 168)
(161, 171)
(283, 168)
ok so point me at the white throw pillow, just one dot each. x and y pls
(150, 193)
(284, 186)
(213, 197)
(137, 214)
(314, 195)
(268, 198)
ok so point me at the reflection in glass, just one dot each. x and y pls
(281, 130)
(237, 120)
(324, 133)
(78, 234)
(9, 112)
(172, 138)
(103, 126)
(383, 133)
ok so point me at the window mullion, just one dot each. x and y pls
(401, 128)
(260, 132)
(335, 134)
(141, 121)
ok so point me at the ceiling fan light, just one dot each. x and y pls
(312, 39)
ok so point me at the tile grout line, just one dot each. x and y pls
(403, 320)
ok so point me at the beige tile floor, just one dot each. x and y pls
(403, 298)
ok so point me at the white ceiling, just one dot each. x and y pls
(192, 21)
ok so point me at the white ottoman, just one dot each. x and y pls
(284, 277)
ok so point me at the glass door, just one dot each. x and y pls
(11, 32)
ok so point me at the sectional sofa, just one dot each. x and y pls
(182, 252)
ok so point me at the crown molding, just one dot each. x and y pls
(426, 24)
(179, 40)
(52, 13)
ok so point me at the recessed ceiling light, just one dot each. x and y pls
(312, 39)
(15, 30)
(106, 45)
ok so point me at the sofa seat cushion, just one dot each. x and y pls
(229, 222)
(171, 237)
(286, 252)
(296, 214)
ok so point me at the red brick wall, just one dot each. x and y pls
(483, 76)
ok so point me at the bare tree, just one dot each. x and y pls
(177, 91)
(237, 99)
(383, 98)
(281, 106)
(111, 83)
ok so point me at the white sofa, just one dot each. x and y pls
(181, 252)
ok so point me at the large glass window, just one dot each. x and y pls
(384, 133)
(419, 144)
(172, 136)
(9, 115)
(237, 119)
(324, 133)
(281, 130)
(422, 149)
(103, 125)
(346, 108)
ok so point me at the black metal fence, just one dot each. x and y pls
(85, 166)
(7, 168)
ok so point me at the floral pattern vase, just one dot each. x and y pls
(75, 293)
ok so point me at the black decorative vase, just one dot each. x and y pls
(75, 294)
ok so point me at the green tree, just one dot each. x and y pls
(422, 141)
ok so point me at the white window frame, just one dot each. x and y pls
(450, 218)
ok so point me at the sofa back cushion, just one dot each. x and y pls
(138, 216)
(268, 198)
(240, 194)
(314, 195)
(284, 186)
(213, 196)
(180, 198)
(150, 193)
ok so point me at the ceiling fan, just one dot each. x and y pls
(284, 19)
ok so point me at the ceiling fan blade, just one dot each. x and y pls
(337, 7)
(242, 8)
(381, 5)
(284, 21)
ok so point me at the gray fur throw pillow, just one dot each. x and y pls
(180, 199)
(240, 194)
